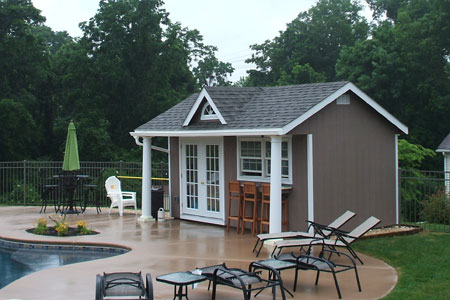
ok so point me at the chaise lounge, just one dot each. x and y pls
(318, 230)
(343, 239)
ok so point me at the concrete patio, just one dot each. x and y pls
(164, 247)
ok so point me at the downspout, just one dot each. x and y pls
(397, 203)
(310, 176)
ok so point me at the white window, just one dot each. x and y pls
(208, 113)
(254, 159)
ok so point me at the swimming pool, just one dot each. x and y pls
(18, 259)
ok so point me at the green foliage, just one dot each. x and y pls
(14, 145)
(16, 195)
(41, 227)
(436, 208)
(82, 228)
(314, 38)
(211, 72)
(404, 66)
(410, 156)
(131, 64)
(421, 260)
(300, 74)
(61, 226)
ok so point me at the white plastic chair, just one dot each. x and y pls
(118, 197)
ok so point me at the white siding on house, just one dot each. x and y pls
(447, 169)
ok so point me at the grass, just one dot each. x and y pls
(422, 261)
(430, 226)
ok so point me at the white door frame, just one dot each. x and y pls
(202, 215)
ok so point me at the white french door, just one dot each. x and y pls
(202, 179)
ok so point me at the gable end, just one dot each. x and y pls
(197, 108)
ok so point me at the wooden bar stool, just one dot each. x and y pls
(250, 198)
(234, 190)
(265, 209)
(265, 206)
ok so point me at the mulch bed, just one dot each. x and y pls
(52, 232)
(392, 230)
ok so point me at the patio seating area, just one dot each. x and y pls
(171, 246)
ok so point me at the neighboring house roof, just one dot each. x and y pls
(445, 145)
(253, 111)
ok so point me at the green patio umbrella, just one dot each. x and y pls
(71, 159)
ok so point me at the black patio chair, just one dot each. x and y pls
(321, 264)
(246, 281)
(93, 188)
(123, 284)
(48, 188)
(68, 182)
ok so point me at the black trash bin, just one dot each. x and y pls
(157, 201)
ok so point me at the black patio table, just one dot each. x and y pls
(180, 280)
(68, 182)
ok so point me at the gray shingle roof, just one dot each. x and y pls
(445, 145)
(247, 108)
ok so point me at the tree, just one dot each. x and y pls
(404, 67)
(411, 156)
(315, 38)
(25, 75)
(15, 146)
(212, 72)
(300, 74)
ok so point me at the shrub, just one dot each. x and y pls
(41, 227)
(82, 227)
(61, 227)
(436, 208)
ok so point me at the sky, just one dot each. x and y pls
(231, 25)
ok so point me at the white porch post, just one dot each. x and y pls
(275, 185)
(147, 180)
(310, 176)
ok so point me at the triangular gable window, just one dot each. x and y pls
(208, 112)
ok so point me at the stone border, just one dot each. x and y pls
(35, 245)
(412, 230)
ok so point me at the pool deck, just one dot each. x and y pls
(170, 246)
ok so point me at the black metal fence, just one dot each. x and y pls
(425, 199)
(22, 183)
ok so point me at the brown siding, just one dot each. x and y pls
(175, 175)
(354, 162)
(297, 198)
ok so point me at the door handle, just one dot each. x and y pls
(202, 182)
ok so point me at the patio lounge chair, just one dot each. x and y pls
(123, 284)
(118, 197)
(320, 264)
(343, 239)
(246, 281)
(318, 231)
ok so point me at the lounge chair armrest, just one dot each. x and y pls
(319, 228)
(128, 193)
(341, 234)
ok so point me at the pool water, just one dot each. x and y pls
(16, 263)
